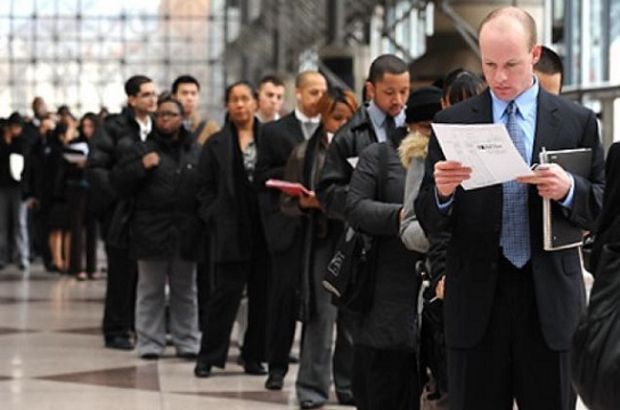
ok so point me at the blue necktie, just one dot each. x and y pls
(515, 237)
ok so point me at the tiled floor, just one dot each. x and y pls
(52, 357)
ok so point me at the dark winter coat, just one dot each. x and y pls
(391, 321)
(164, 218)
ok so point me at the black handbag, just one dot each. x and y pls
(350, 274)
(595, 355)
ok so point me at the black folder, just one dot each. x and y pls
(558, 231)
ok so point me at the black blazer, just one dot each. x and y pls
(279, 137)
(230, 213)
(475, 224)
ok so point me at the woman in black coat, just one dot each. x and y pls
(385, 375)
(160, 176)
(229, 207)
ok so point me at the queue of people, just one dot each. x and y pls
(190, 227)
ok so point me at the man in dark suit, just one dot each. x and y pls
(510, 306)
(283, 233)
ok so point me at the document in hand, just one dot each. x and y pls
(289, 188)
(558, 231)
(486, 148)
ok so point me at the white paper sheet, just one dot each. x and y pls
(16, 166)
(486, 148)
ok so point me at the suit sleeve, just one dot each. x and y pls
(362, 210)
(432, 220)
(333, 185)
(294, 169)
(588, 197)
(271, 163)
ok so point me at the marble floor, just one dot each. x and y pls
(52, 357)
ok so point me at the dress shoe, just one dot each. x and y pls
(187, 355)
(275, 381)
(254, 368)
(307, 404)
(119, 342)
(346, 401)
(202, 369)
(149, 356)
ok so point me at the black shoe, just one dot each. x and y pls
(346, 401)
(202, 369)
(255, 368)
(187, 355)
(307, 404)
(275, 381)
(119, 342)
(149, 356)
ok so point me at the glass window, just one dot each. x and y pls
(80, 52)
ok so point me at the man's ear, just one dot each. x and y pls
(131, 100)
(536, 53)
(370, 90)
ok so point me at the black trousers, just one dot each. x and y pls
(512, 361)
(81, 222)
(229, 280)
(203, 287)
(385, 379)
(283, 308)
(120, 296)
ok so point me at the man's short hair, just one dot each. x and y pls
(271, 78)
(301, 78)
(522, 16)
(184, 79)
(132, 86)
(549, 63)
(386, 64)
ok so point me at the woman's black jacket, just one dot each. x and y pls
(228, 202)
(164, 218)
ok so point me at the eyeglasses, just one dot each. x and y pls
(166, 114)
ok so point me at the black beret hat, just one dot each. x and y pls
(423, 104)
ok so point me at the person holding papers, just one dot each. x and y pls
(320, 236)
(282, 232)
(511, 307)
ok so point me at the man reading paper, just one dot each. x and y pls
(511, 307)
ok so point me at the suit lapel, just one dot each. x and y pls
(547, 124)
(293, 128)
(482, 111)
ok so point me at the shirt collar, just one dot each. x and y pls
(304, 118)
(145, 128)
(376, 114)
(525, 102)
(378, 117)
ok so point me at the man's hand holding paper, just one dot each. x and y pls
(448, 176)
(485, 150)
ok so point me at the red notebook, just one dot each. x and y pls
(289, 188)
